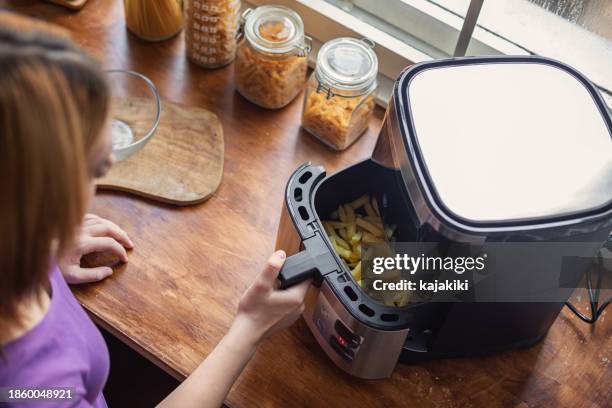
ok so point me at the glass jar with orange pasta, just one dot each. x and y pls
(272, 58)
(340, 96)
(211, 27)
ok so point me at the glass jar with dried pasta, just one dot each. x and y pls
(340, 96)
(272, 58)
(210, 31)
(154, 20)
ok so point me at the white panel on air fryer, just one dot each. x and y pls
(511, 141)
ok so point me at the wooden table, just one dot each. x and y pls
(175, 299)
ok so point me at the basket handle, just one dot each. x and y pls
(297, 268)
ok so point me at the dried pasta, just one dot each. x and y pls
(210, 31)
(339, 120)
(267, 80)
(154, 20)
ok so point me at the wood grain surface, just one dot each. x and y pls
(182, 163)
(176, 297)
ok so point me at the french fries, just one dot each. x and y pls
(356, 239)
(369, 238)
(360, 222)
(360, 202)
(356, 272)
(370, 210)
(353, 223)
(375, 206)
(370, 227)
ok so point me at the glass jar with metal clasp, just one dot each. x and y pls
(340, 95)
(272, 58)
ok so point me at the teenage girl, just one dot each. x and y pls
(54, 141)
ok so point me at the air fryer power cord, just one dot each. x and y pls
(596, 311)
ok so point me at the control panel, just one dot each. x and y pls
(341, 339)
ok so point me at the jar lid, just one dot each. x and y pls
(274, 29)
(347, 64)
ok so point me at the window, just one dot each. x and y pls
(577, 32)
(433, 27)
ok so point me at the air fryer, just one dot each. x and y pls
(367, 338)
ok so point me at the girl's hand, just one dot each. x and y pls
(96, 235)
(265, 309)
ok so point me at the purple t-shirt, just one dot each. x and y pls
(65, 349)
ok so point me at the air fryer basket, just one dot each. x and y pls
(310, 197)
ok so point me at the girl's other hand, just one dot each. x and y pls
(96, 235)
(265, 309)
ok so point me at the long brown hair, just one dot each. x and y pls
(53, 106)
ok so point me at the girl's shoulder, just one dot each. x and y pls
(64, 349)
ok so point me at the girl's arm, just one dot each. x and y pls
(263, 310)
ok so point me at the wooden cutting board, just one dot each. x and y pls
(182, 163)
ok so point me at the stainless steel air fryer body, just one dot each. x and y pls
(531, 134)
